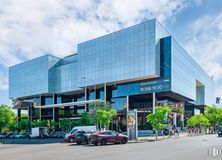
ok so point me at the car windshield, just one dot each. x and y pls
(73, 131)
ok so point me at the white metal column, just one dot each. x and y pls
(175, 119)
(53, 109)
(85, 98)
(182, 121)
(154, 101)
(40, 110)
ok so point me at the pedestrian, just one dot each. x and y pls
(163, 133)
(172, 132)
(189, 131)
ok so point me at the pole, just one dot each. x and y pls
(85, 98)
(53, 109)
(154, 101)
(40, 110)
(127, 109)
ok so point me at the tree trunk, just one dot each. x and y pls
(156, 134)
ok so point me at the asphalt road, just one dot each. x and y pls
(185, 148)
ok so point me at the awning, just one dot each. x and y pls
(70, 104)
(19, 104)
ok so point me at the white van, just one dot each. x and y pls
(82, 128)
(71, 135)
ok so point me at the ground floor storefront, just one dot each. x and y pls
(58, 107)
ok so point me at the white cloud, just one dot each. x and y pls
(3, 82)
(30, 28)
(204, 43)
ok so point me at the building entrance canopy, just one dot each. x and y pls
(21, 104)
(70, 104)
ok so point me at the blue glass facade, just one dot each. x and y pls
(138, 60)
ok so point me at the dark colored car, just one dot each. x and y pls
(71, 137)
(2, 135)
(7, 135)
(13, 135)
(22, 135)
(105, 137)
(83, 137)
(219, 132)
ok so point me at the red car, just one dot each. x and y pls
(105, 137)
(71, 136)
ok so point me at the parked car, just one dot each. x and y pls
(22, 135)
(13, 135)
(2, 135)
(105, 137)
(219, 132)
(83, 137)
(7, 135)
(70, 137)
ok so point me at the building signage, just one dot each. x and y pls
(155, 86)
(150, 86)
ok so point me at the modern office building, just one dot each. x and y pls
(134, 68)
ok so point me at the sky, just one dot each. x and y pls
(29, 29)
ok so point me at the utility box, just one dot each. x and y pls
(39, 132)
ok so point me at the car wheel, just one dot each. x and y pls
(71, 140)
(95, 143)
(103, 141)
(79, 143)
(124, 141)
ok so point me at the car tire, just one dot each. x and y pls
(95, 143)
(103, 142)
(79, 143)
(124, 141)
(71, 140)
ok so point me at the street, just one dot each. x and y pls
(185, 148)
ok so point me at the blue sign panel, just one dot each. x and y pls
(144, 87)
(155, 86)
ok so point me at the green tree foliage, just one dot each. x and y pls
(158, 118)
(104, 117)
(99, 106)
(214, 115)
(177, 110)
(198, 121)
(53, 125)
(40, 123)
(7, 118)
(86, 119)
(66, 124)
(24, 125)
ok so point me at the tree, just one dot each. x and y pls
(65, 124)
(214, 115)
(7, 118)
(99, 106)
(104, 117)
(198, 121)
(158, 118)
(86, 119)
(24, 125)
(40, 123)
(53, 125)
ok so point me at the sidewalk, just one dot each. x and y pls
(159, 138)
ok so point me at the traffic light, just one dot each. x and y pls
(217, 100)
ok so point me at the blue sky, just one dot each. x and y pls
(29, 29)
